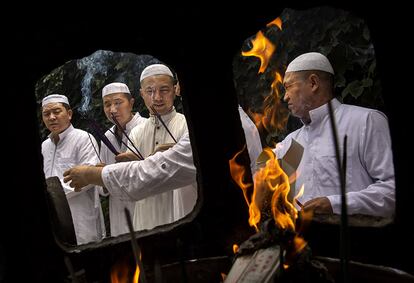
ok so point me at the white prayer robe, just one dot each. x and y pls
(75, 148)
(170, 205)
(370, 182)
(163, 171)
(117, 218)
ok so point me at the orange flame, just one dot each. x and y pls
(270, 192)
(235, 248)
(121, 273)
(262, 49)
(274, 116)
(277, 22)
(237, 173)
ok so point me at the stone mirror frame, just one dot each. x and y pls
(82, 80)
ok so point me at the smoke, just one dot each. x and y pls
(92, 65)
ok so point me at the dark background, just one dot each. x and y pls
(200, 43)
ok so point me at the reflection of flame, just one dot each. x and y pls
(277, 22)
(271, 184)
(121, 274)
(262, 49)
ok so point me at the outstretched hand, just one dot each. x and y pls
(83, 175)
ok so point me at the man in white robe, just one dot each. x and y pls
(164, 126)
(117, 104)
(64, 148)
(370, 182)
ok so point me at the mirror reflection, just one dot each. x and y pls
(286, 76)
(109, 155)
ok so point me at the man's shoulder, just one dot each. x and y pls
(358, 112)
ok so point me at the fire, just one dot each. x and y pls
(270, 193)
(277, 22)
(274, 116)
(121, 273)
(262, 49)
(235, 248)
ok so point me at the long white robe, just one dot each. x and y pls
(117, 220)
(171, 205)
(370, 182)
(75, 148)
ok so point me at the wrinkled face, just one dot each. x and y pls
(298, 95)
(159, 92)
(120, 106)
(56, 117)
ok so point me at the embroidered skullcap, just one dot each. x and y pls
(115, 88)
(53, 98)
(310, 61)
(155, 69)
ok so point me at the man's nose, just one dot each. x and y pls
(286, 97)
(156, 94)
(113, 108)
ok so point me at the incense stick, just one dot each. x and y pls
(94, 148)
(135, 248)
(124, 143)
(126, 135)
(69, 266)
(98, 131)
(162, 122)
(344, 212)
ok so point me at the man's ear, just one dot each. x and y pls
(70, 113)
(314, 81)
(177, 89)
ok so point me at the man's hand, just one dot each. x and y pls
(320, 205)
(163, 147)
(83, 175)
(126, 156)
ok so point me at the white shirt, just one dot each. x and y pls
(170, 205)
(163, 171)
(117, 218)
(254, 144)
(370, 182)
(75, 148)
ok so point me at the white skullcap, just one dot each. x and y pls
(115, 88)
(53, 98)
(310, 61)
(155, 69)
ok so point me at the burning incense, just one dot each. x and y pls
(124, 143)
(135, 247)
(162, 122)
(126, 135)
(98, 131)
(344, 211)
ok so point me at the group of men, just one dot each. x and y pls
(161, 187)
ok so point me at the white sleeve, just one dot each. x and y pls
(253, 142)
(163, 171)
(379, 197)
